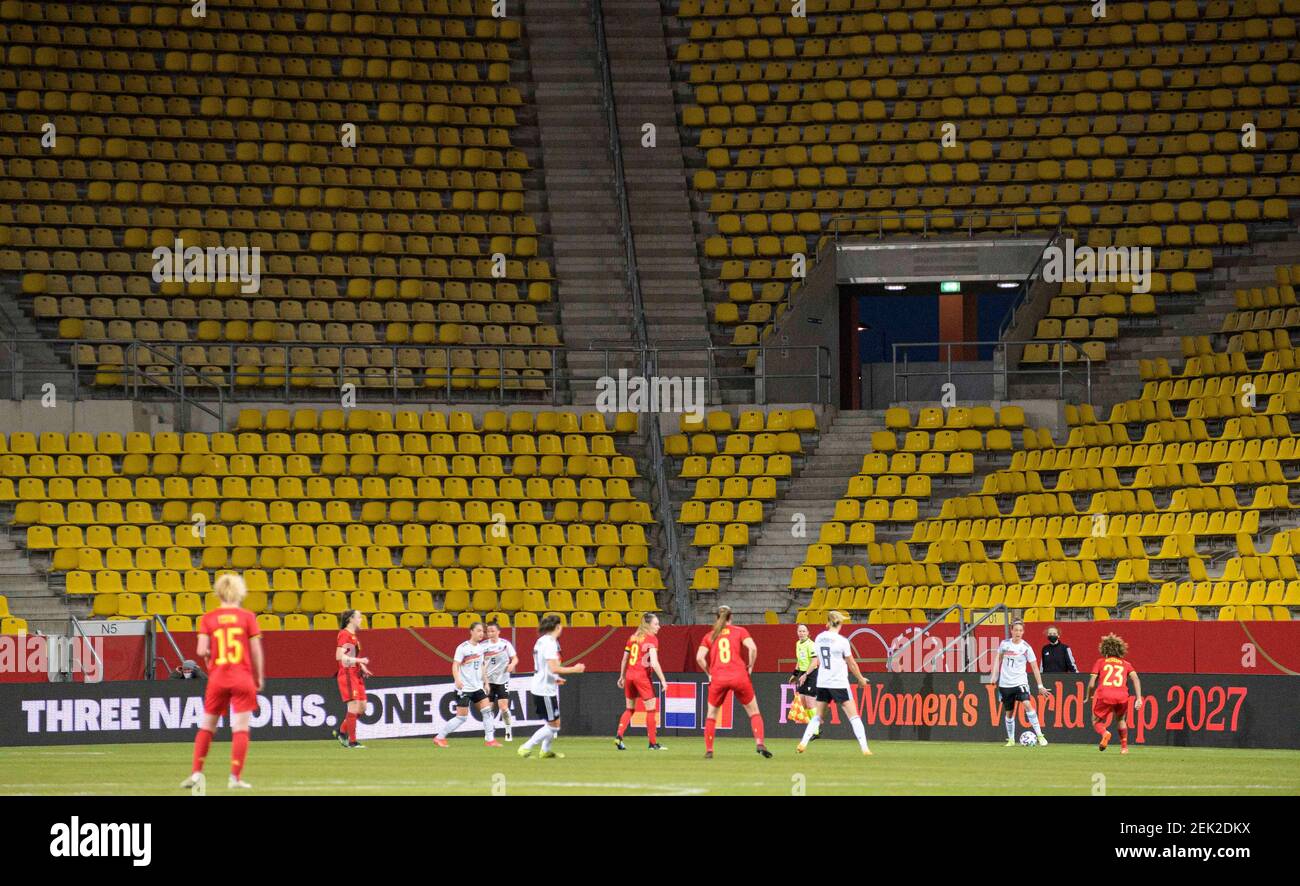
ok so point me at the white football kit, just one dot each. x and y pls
(470, 658)
(544, 682)
(497, 655)
(1015, 661)
(833, 651)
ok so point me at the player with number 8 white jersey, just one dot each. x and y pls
(831, 666)
(833, 651)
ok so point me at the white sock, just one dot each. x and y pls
(540, 734)
(451, 725)
(814, 723)
(1033, 720)
(1011, 726)
(546, 742)
(489, 725)
(859, 731)
(505, 718)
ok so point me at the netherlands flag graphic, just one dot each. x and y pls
(680, 706)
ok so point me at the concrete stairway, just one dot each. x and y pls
(761, 580)
(657, 184)
(39, 361)
(30, 596)
(581, 203)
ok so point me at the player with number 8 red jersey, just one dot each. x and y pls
(728, 653)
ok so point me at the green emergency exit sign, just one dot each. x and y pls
(950, 286)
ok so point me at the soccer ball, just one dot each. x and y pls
(1029, 740)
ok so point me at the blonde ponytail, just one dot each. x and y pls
(724, 619)
(644, 627)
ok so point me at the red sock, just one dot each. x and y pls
(350, 726)
(202, 742)
(710, 725)
(650, 725)
(1123, 736)
(623, 721)
(238, 752)
(1099, 726)
(756, 724)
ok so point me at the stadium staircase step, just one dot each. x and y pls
(761, 578)
(658, 189)
(30, 595)
(34, 356)
(581, 202)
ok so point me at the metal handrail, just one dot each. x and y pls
(926, 217)
(889, 658)
(77, 630)
(137, 377)
(649, 361)
(1022, 293)
(156, 623)
(963, 632)
(966, 663)
(178, 387)
(1005, 371)
(620, 185)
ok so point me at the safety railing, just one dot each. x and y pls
(966, 660)
(158, 371)
(925, 222)
(152, 655)
(161, 362)
(1026, 287)
(949, 368)
(633, 277)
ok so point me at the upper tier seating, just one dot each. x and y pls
(921, 117)
(364, 147)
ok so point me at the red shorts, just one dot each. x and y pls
(742, 686)
(351, 687)
(638, 687)
(1103, 708)
(230, 693)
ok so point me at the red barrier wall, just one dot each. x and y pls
(1209, 647)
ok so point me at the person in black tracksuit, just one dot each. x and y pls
(1057, 657)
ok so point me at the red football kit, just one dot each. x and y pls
(230, 675)
(636, 678)
(352, 684)
(728, 670)
(1112, 696)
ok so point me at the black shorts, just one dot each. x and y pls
(839, 696)
(498, 692)
(808, 687)
(546, 707)
(1011, 695)
(470, 699)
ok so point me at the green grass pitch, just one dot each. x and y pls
(594, 766)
